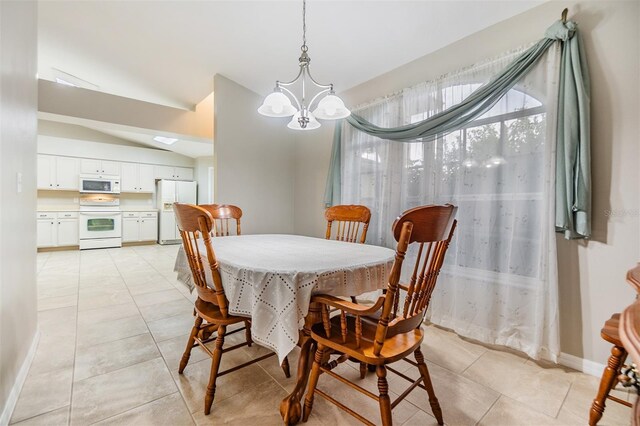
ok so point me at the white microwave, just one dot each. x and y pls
(100, 184)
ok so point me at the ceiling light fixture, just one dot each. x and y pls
(66, 79)
(65, 82)
(278, 104)
(165, 140)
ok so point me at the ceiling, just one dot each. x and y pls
(185, 146)
(167, 52)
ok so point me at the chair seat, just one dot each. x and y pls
(395, 347)
(211, 313)
(610, 331)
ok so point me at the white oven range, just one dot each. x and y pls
(100, 221)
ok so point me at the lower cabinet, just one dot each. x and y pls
(57, 229)
(139, 226)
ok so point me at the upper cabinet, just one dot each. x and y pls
(59, 173)
(137, 178)
(63, 173)
(91, 166)
(175, 173)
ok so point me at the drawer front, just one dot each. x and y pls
(149, 214)
(67, 215)
(130, 214)
(46, 215)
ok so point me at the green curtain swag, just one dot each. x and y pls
(573, 168)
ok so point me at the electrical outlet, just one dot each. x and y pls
(19, 182)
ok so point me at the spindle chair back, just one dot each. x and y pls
(223, 216)
(351, 223)
(196, 223)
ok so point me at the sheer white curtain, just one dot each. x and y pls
(499, 283)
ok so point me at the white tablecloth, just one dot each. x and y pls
(271, 279)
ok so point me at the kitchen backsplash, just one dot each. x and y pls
(68, 200)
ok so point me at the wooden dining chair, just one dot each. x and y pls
(211, 307)
(348, 222)
(388, 331)
(630, 336)
(222, 214)
(611, 333)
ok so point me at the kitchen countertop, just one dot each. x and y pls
(137, 209)
(57, 209)
(76, 208)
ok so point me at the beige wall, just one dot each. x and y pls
(591, 275)
(18, 128)
(202, 176)
(254, 160)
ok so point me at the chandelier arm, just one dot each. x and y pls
(318, 94)
(324, 86)
(289, 83)
(292, 96)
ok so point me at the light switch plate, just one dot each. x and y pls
(19, 182)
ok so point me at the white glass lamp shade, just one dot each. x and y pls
(295, 124)
(277, 104)
(331, 107)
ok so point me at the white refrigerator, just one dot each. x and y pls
(167, 193)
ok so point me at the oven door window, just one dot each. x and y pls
(96, 185)
(101, 224)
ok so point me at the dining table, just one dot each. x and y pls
(271, 279)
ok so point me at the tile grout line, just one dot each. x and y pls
(487, 412)
(75, 348)
(120, 368)
(152, 337)
(469, 366)
(564, 400)
(134, 408)
(37, 415)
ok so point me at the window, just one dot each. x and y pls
(499, 276)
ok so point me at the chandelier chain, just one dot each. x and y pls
(304, 25)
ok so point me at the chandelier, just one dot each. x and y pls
(328, 106)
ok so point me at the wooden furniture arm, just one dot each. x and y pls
(350, 307)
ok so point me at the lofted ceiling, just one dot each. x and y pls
(167, 52)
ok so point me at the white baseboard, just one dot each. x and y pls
(12, 400)
(591, 368)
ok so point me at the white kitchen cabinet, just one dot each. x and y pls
(93, 166)
(148, 228)
(175, 173)
(164, 172)
(184, 173)
(57, 229)
(129, 177)
(67, 173)
(146, 179)
(46, 229)
(67, 232)
(110, 167)
(45, 170)
(130, 229)
(139, 226)
(58, 173)
(137, 177)
(88, 165)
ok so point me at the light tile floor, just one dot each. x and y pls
(113, 325)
